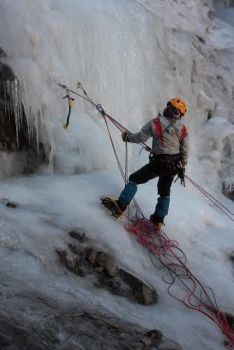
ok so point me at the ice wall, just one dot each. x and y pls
(131, 56)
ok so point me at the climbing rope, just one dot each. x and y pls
(167, 252)
(115, 152)
(219, 205)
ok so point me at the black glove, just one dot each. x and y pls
(125, 135)
(181, 172)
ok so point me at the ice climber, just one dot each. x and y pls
(168, 158)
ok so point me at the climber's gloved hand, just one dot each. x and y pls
(125, 135)
(181, 172)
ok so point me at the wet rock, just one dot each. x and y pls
(11, 205)
(114, 284)
(65, 259)
(76, 263)
(147, 342)
(108, 263)
(99, 269)
(228, 191)
(3, 341)
(84, 267)
(2, 53)
(77, 250)
(201, 39)
(78, 234)
(80, 271)
(148, 295)
(8, 203)
(143, 293)
(111, 284)
(101, 259)
(92, 256)
(111, 267)
(50, 326)
(86, 260)
(155, 336)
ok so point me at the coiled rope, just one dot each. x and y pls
(169, 255)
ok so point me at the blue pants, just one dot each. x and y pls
(164, 169)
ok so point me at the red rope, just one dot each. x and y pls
(170, 256)
(122, 128)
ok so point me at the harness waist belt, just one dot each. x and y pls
(166, 156)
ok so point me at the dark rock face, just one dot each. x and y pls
(228, 166)
(50, 326)
(30, 320)
(232, 256)
(220, 4)
(8, 134)
(84, 259)
(2, 53)
(14, 135)
(228, 192)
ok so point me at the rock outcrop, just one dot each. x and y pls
(84, 259)
(74, 329)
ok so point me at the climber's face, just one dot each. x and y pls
(171, 112)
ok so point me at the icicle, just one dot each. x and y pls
(33, 115)
(13, 104)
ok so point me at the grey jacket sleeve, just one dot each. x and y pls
(184, 149)
(143, 135)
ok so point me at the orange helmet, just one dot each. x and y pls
(179, 104)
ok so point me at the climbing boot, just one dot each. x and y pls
(157, 222)
(114, 206)
(158, 226)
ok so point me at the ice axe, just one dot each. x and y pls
(70, 101)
